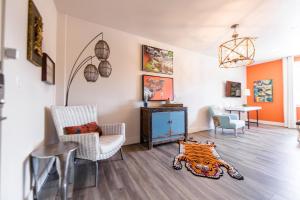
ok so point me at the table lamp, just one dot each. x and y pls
(246, 94)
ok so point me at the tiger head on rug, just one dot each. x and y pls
(203, 160)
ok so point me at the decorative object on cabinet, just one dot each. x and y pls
(146, 101)
(157, 88)
(237, 52)
(263, 91)
(203, 160)
(162, 125)
(157, 60)
(48, 70)
(172, 105)
(34, 35)
(91, 73)
(233, 89)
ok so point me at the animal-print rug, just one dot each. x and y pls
(203, 160)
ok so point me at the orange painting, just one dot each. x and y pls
(156, 88)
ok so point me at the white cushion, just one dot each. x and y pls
(237, 123)
(109, 143)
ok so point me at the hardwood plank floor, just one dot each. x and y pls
(268, 157)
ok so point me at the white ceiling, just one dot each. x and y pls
(199, 25)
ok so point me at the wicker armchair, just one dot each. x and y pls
(91, 146)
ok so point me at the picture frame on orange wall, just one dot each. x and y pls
(263, 90)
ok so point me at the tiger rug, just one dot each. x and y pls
(203, 160)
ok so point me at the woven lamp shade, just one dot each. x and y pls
(104, 68)
(102, 50)
(91, 73)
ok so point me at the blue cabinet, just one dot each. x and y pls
(160, 121)
(161, 125)
(177, 122)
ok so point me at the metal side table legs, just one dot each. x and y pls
(65, 162)
(64, 153)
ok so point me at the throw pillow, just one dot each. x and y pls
(85, 128)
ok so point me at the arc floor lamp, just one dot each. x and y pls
(91, 72)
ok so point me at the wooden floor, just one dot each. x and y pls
(268, 158)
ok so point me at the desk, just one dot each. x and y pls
(246, 109)
(62, 151)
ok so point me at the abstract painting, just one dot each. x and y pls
(156, 88)
(157, 60)
(263, 91)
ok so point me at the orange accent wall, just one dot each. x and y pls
(272, 111)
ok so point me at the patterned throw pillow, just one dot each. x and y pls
(85, 128)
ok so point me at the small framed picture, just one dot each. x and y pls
(48, 70)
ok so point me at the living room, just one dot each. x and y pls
(228, 84)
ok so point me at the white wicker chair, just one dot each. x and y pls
(91, 146)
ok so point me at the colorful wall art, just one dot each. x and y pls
(156, 88)
(263, 91)
(157, 60)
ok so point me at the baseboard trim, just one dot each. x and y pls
(268, 122)
(195, 130)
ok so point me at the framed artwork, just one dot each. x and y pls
(263, 91)
(157, 60)
(233, 89)
(48, 70)
(157, 88)
(34, 35)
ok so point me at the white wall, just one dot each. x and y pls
(198, 82)
(26, 97)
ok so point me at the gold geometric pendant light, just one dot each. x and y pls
(237, 52)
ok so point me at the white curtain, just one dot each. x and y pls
(289, 99)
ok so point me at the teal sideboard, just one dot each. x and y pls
(163, 124)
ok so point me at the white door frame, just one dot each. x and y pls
(289, 102)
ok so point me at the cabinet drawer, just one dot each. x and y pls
(160, 124)
(177, 122)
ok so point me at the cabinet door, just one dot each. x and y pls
(177, 122)
(160, 124)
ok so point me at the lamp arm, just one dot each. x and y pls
(73, 73)
(72, 76)
(82, 53)
(89, 58)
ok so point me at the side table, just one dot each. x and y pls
(63, 152)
